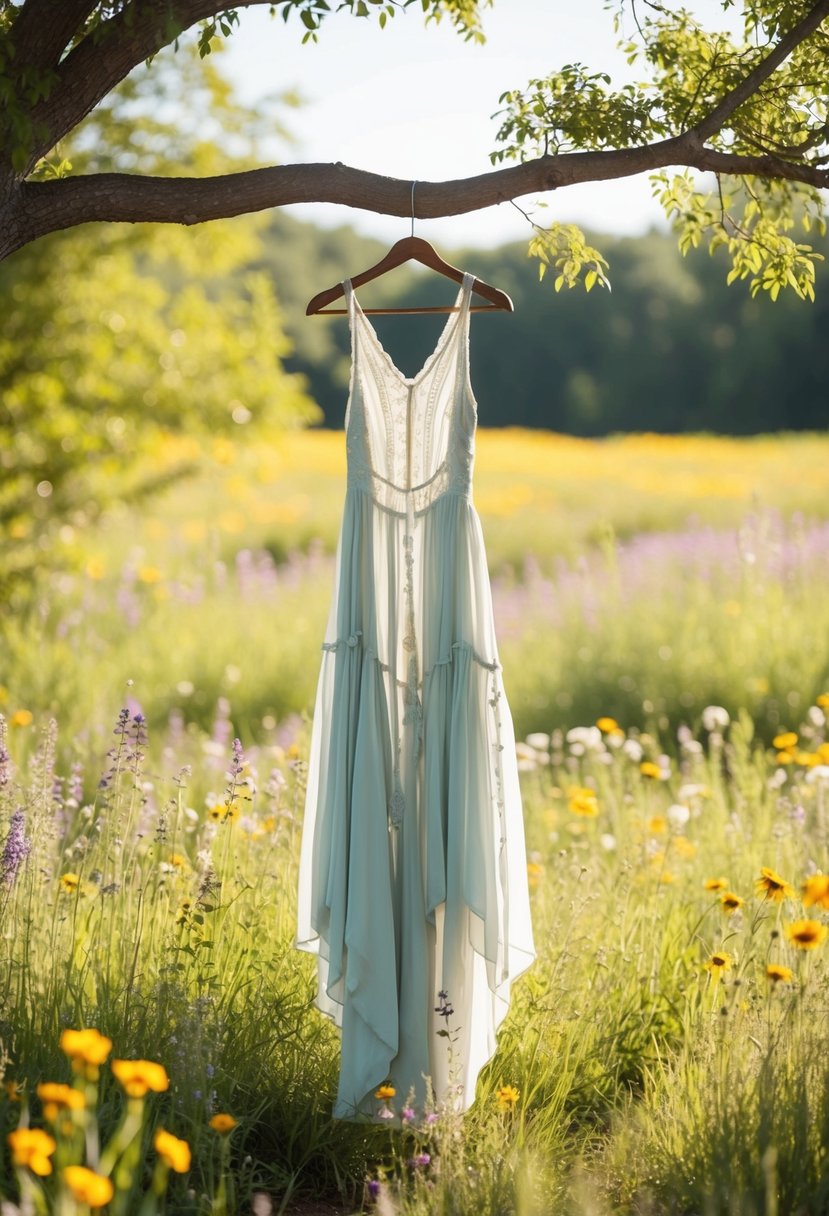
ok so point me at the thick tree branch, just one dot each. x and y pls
(48, 206)
(102, 60)
(715, 120)
(43, 30)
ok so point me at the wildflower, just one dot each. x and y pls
(32, 1148)
(57, 1097)
(822, 700)
(16, 848)
(583, 801)
(224, 812)
(730, 901)
(717, 963)
(21, 717)
(773, 885)
(607, 841)
(816, 891)
(69, 883)
(86, 1049)
(444, 1008)
(685, 847)
(178, 860)
(678, 814)
(715, 884)
(785, 757)
(819, 773)
(407, 1114)
(138, 1076)
(648, 769)
(785, 741)
(149, 574)
(14, 1091)
(778, 974)
(715, 717)
(534, 872)
(373, 1188)
(539, 740)
(88, 1187)
(606, 725)
(806, 934)
(633, 750)
(223, 1124)
(420, 1160)
(507, 1096)
(388, 1091)
(173, 1152)
(657, 824)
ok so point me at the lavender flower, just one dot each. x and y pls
(15, 850)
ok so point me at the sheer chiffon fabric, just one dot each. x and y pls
(413, 877)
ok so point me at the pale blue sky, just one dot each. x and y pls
(415, 101)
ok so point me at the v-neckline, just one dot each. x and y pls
(451, 320)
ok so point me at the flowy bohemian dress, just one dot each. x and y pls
(413, 877)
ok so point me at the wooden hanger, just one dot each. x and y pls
(411, 248)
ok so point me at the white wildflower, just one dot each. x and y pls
(633, 750)
(714, 717)
(539, 740)
(590, 737)
(678, 814)
(607, 841)
(820, 772)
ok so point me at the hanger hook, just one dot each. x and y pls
(414, 183)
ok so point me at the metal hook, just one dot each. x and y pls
(413, 215)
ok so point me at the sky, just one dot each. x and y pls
(416, 102)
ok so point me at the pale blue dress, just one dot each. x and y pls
(413, 875)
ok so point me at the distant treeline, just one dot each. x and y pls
(671, 349)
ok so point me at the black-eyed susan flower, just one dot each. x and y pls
(87, 1049)
(173, 1152)
(223, 1124)
(136, 1077)
(718, 963)
(730, 901)
(785, 741)
(772, 886)
(715, 884)
(776, 973)
(57, 1098)
(88, 1187)
(69, 883)
(507, 1096)
(816, 891)
(31, 1148)
(385, 1092)
(806, 934)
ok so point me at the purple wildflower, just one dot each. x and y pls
(16, 848)
(420, 1160)
(444, 1009)
(373, 1188)
(5, 765)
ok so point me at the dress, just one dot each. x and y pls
(413, 876)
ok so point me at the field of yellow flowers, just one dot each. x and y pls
(667, 659)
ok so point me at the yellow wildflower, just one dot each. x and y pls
(507, 1096)
(21, 717)
(14, 1091)
(773, 886)
(648, 769)
(173, 1152)
(223, 812)
(607, 725)
(178, 860)
(149, 574)
(778, 974)
(822, 752)
(717, 963)
(823, 700)
(534, 872)
(88, 1187)
(57, 1097)
(583, 801)
(730, 901)
(806, 934)
(684, 846)
(385, 1092)
(32, 1148)
(785, 741)
(86, 1049)
(666, 877)
(816, 891)
(137, 1076)
(715, 884)
(69, 883)
(225, 1123)
(785, 757)
(657, 824)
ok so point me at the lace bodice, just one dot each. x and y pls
(410, 439)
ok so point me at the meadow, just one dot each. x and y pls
(663, 615)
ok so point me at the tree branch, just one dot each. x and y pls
(49, 206)
(715, 120)
(43, 29)
(105, 57)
